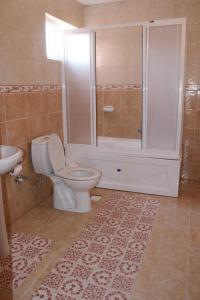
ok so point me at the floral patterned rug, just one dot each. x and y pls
(26, 253)
(104, 261)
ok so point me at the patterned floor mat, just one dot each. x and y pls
(26, 253)
(104, 261)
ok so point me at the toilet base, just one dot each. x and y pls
(65, 199)
(83, 201)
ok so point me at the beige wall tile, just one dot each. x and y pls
(55, 124)
(131, 132)
(52, 72)
(111, 118)
(190, 99)
(17, 132)
(10, 70)
(38, 126)
(197, 119)
(3, 136)
(35, 103)
(127, 112)
(53, 101)
(15, 105)
(118, 59)
(113, 98)
(2, 108)
(27, 151)
(100, 129)
(114, 131)
(189, 118)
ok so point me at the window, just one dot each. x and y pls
(54, 36)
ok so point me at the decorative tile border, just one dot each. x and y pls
(102, 264)
(26, 253)
(28, 88)
(52, 87)
(119, 87)
(192, 87)
(188, 87)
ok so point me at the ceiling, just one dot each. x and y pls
(92, 2)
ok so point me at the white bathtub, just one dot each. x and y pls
(125, 166)
(110, 142)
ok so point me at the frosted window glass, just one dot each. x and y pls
(54, 36)
(163, 86)
(78, 69)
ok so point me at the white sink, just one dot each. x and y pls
(10, 156)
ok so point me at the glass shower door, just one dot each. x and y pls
(80, 87)
(163, 107)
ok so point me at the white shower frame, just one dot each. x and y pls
(147, 171)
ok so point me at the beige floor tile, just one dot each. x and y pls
(183, 203)
(194, 261)
(176, 234)
(167, 259)
(27, 225)
(195, 237)
(193, 292)
(195, 219)
(155, 283)
(168, 202)
(166, 216)
(152, 283)
(182, 217)
(64, 227)
(177, 284)
(39, 213)
(172, 257)
(195, 205)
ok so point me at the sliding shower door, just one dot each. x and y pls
(119, 84)
(163, 107)
(80, 87)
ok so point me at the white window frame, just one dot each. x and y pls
(54, 30)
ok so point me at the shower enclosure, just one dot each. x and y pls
(123, 103)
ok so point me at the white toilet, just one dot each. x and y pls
(72, 185)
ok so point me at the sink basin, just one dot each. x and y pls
(9, 157)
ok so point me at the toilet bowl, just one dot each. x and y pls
(72, 185)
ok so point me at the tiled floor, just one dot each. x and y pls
(171, 265)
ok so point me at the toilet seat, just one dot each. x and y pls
(56, 153)
(57, 159)
(78, 174)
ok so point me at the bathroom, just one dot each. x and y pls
(31, 105)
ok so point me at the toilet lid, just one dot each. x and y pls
(56, 153)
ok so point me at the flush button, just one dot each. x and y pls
(119, 170)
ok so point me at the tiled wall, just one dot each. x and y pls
(137, 10)
(22, 34)
(24, 116)
(119, 56)
(191, 137)
(126, 118)
(31, 105)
